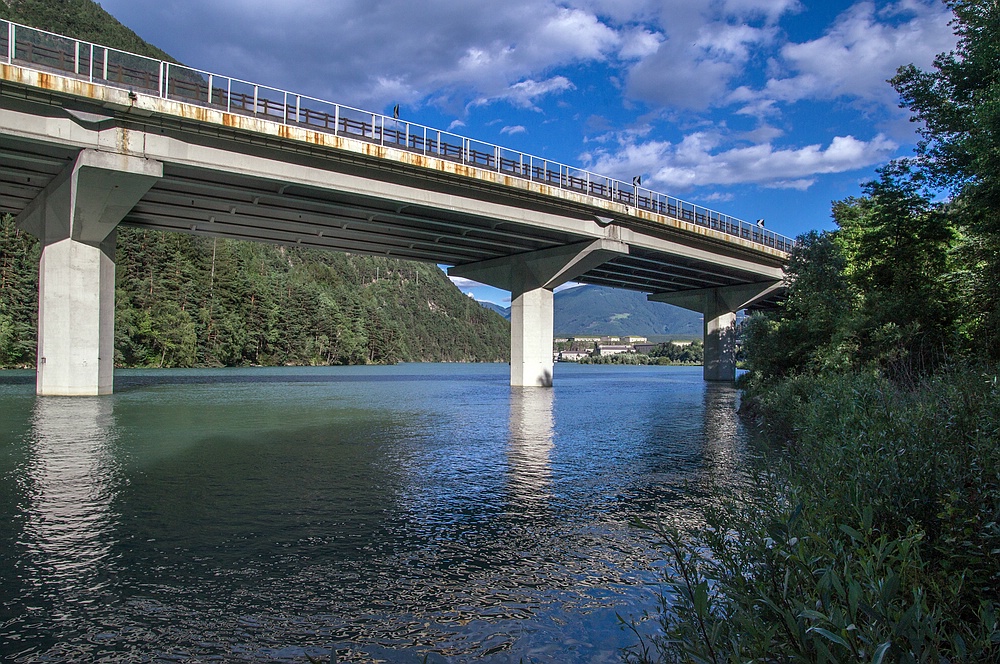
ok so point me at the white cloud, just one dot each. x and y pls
(693, 69)
(373, 53)
(463, 283)
(516, 129)
(699, 160)
(524, 94)
(640, 43)
(718, 197)
(857, 55)
(771, 10)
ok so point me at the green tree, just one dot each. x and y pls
(895, 245)
(82, 19)
(19, 254)
(808, 332)
(957, 104)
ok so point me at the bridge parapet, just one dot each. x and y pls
(43, 51)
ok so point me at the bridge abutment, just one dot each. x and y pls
(531, 279)
(75, 218)
(719, 307)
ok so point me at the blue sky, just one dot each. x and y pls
(758, 108)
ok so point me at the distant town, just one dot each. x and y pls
(626, 350)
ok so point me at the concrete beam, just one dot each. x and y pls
(719, 307)
(531, 278)
(24, 122)
(75, 219)
(735, 298)
(547, 268)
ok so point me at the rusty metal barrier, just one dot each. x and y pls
(26, 46)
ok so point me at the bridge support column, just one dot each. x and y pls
(531, 316)
(75, 219)
(531, 279)
(720, 339)
(719, 307)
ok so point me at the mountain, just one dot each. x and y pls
(503, 311)
(82, 19)
(595, 310)
(182, 300)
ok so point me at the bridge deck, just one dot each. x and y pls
(246, 161)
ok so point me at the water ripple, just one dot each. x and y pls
(444, 515)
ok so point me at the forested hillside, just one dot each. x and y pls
(83, 19)
(191, 301)
(597, 310)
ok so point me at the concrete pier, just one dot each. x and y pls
(75, 217)
(719, 307)
(531, 316)
(531, 279)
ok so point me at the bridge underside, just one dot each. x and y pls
(208, 202)
(233, 182)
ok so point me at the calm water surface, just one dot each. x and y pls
(350, 513)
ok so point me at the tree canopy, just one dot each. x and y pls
(908, 280)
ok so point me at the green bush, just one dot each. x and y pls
(872, 537)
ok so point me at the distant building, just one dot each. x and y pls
(586, 339)
(572, 355)
(634, 340)
(610, 340)
(611, 349)
(644, 348)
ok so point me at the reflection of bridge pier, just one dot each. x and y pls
(91, 137)
(531, 438)
(723, 451)
(70, 481)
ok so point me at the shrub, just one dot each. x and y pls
(871, 537)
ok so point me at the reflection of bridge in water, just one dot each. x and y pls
(70, 481)
(532, 430)
(92, 137)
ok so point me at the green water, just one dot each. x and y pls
(353, 513)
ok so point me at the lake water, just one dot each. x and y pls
(349, 513)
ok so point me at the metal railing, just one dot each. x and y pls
(24, 45)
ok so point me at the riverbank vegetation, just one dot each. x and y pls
(869, 529)
(665, 354)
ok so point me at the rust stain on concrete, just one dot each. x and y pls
(152, 104)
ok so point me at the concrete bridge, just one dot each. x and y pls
(91, 137)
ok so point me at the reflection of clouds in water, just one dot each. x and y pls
(531, 435)
(71, 480)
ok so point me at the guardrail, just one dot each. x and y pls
(24, 45)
